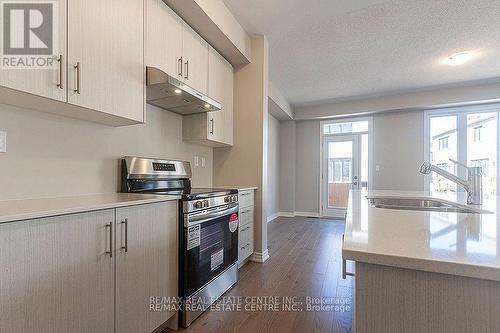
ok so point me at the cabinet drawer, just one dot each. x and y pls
(246, 198)
(246, 232)
(246, 216)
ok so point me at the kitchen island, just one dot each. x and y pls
(423, 271)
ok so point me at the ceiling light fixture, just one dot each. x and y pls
(177, 91)
(458, 59)
(207, 106)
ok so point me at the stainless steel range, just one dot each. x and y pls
(208, 229)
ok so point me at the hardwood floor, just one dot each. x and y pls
(305, 260)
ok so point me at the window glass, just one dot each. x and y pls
(348, 127)
(482, 148)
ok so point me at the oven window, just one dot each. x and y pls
(204, 259)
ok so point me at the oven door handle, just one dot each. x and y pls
(201, 217)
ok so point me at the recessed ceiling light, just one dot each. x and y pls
(177, 91)
(207, 106)
(458, 59)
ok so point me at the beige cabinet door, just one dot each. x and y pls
(49, 82)
(146, 264)
(195, 59)
(105, 56)
(55, 275)
(163, 38)
(220, 88)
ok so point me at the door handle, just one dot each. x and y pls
(179, 66)
(110, 226)
(212, 126)
(125, 223)
(187, 70)
(77, 76)
(60, 83)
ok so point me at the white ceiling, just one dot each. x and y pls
(331, 50)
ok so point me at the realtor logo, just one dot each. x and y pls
(28, 34)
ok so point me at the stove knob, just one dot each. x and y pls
(198, 204)
(227, 199)
(205, 203)
(235, 198)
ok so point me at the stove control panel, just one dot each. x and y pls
(231, 198)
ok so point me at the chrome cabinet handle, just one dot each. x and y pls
(110, 226)
(179, 66)
(345, 273)
(245, 211)
(243, 194)
(60, 83)
(77, 76)
(212, 126)
(187, 70)
(125, 223)
(245, 229)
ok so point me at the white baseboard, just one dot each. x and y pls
(286, 214)
(307, 214)
(272, 217)
(260, 257)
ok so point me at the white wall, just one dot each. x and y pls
(273, 154)
(287, 165)
(50, 155)
(397, 149)
(307, 166)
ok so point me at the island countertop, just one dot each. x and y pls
(25, 209)
(450, 243)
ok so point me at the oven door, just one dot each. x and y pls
(210, 245)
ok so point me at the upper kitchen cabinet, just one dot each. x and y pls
(195, 59)
(214, 128)
(105, 56)
(173, 47)
(164, 39)
(50, 82)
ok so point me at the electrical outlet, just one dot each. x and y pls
(377, 168)
(3, 142)
(196, 161)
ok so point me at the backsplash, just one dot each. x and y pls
(50, 155)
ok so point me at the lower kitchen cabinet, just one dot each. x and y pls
(246, 225)
(88, 272)
(55, 275)
(146, 252)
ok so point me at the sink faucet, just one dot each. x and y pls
(473, 185)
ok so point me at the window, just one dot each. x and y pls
(468, 135)
(348, 127)
(443, 143)
(342, 168)
(477, 133)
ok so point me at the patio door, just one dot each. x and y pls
(341, 172)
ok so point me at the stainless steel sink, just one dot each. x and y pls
(421, 203)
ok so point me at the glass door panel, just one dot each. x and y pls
(340, 173)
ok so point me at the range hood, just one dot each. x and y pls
(166, 92)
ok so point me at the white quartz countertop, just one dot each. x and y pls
(239, 188)
(17, 210)
(450, 243)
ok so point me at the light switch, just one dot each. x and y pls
(203, 162)
(3, 142)
(377, 168)
(196, 161)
